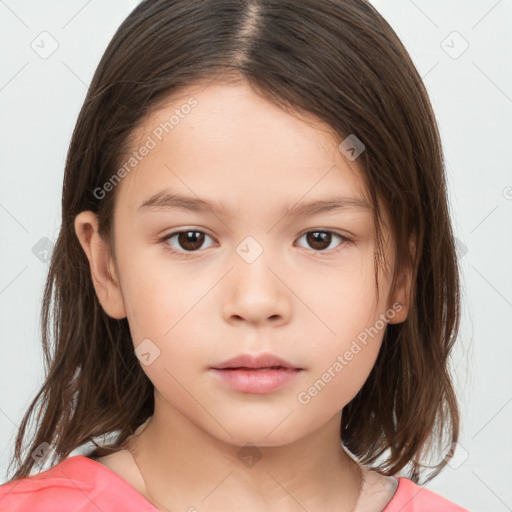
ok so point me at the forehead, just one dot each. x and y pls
(226, 142)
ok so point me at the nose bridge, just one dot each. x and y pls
(255, 292)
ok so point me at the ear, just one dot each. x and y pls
(400, 302)
(102, 265)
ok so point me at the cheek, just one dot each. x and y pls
(344, 304)
(340, 373)
(167, 321)
(160, 300)
(345, 345)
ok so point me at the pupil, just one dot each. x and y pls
(318, 237)
(191, 240)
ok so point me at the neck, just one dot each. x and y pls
(185, 468)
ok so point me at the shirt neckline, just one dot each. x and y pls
(152, 508)
(136, 494)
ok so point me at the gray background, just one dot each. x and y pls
(471, 90)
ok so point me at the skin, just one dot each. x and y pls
(295, 301)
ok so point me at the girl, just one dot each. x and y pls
(255, 286)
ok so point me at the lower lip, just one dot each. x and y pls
(256, 381)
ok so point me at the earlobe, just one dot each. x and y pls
(400, 304)
(402, 298)
(104, 278)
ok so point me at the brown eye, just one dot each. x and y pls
(321, 240)
(187, 241)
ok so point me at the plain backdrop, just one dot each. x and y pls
(462, 50)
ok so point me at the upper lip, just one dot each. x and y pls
(255, 361)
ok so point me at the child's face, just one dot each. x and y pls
(253, 280)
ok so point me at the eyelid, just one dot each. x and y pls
(326, 230)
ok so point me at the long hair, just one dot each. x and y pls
(338, 60)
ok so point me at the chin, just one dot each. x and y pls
(262, 434)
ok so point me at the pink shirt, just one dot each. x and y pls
(80, 484)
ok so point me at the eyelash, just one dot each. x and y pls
(187, 254)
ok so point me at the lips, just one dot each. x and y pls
(264, 373)
(256, 362)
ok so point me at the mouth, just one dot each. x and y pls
(264, 361)
(257, 369)
(255, 374)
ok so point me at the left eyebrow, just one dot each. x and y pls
(167, 200)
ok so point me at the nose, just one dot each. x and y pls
(256, 293)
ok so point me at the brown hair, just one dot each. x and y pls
(337, 60)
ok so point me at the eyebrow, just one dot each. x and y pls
(165, 200)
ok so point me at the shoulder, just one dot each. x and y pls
(411, 497)
(75, 483)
